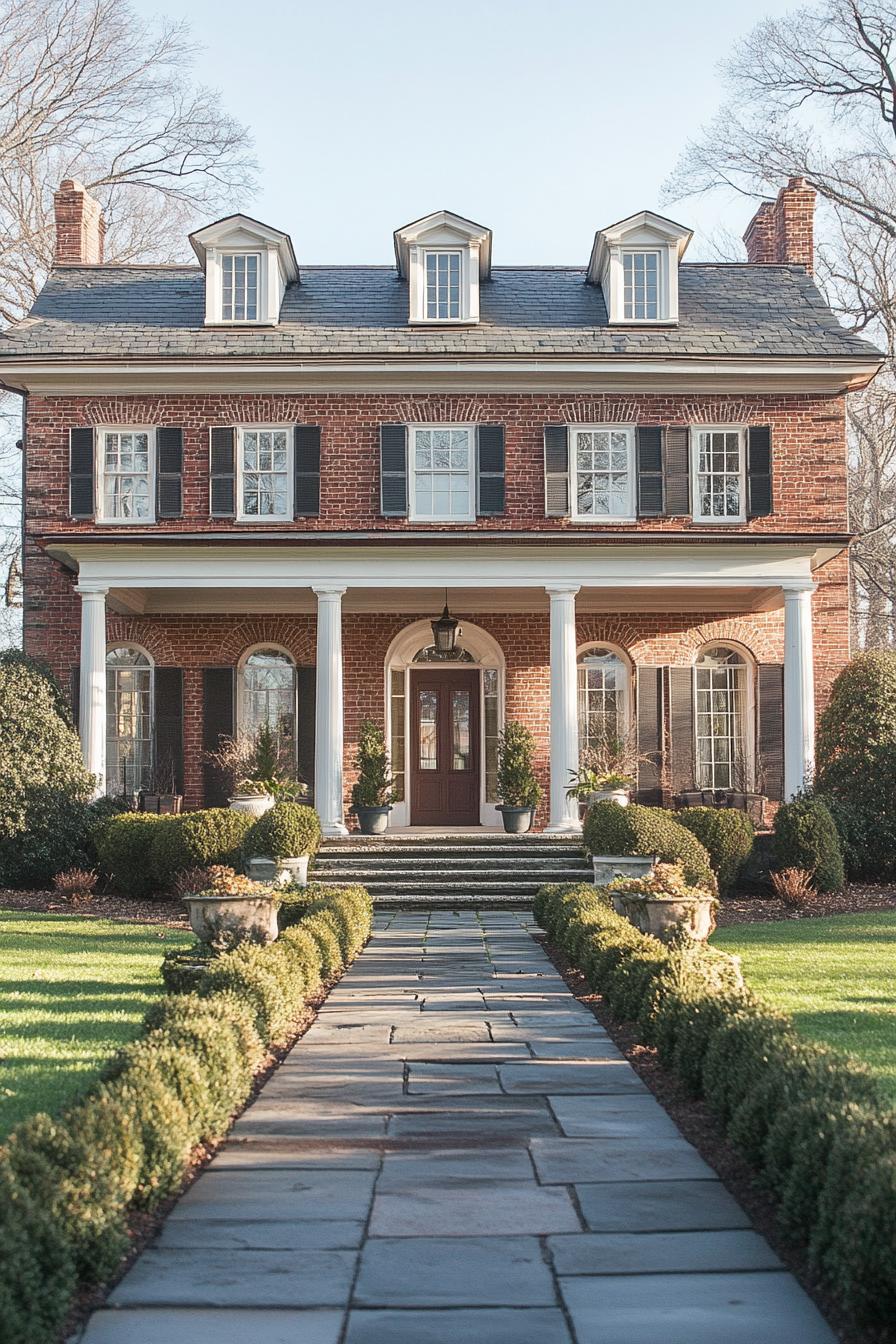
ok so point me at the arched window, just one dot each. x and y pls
(603, 679)
(722, 685)
(129, 764)
(267, 696)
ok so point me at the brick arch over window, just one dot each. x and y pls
(299, 641)
(155, 639)
(741, 632)
(444, 410)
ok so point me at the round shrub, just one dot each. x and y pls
(38, 1275)
(806, 837)
(856, 761)
(198, 840)
(611, 829)
(124, 850)
(727, 834)
(287, 831)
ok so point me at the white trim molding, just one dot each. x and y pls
(640, 234)
(799, 689)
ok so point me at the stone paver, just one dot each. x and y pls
(456, 1151)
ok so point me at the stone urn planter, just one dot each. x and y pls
(517, 820)
(280, 872)
(609, 866)
(622, 797)
(372, 820)
(666, 916)
(224, 921)
(253, 804)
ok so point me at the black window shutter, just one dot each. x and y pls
(81, 473)
(307, 470)
(650, 735)
(650, 471)
(394, 471)
(306, 686)
(490, 470)
(222, 472)
(681, 729)
(217, 722)
(770, 735)
(556, 471)
(759, 471)
(169, 472)
(169, 730)
(678, 472)
(75, 691)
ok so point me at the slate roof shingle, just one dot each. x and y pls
(152, 312)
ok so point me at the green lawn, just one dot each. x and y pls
(835, 976)
(71, 991)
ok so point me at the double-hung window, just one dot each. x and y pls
(126, 471)
(603, 472)
(264, 457)
(239, 286)
(442, 460)
(442, 286)
(719, 489)
(640, 286)
(721, 690)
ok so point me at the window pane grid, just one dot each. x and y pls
(128, 722)
(264, 461)
(269, 697)
(126, 475)
(442, 482)
(601, 699)
(640, 272)
(490, 735)
(442, 285)
(397, 736)
(603, 472)
(719, 474)
(721, 682)
(239, 287)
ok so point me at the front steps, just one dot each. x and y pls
(482, 869)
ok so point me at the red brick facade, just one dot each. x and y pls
(782, 232)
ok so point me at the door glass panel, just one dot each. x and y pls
(397, 740)
(460, 730)
(427, 705)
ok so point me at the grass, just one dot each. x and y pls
(834, 976)
(72, 990)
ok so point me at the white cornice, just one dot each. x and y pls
(80, 376)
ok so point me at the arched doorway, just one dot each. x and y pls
(442, 725)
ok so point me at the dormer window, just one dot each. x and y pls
(635, 263)
(443, 258)
(248, 266)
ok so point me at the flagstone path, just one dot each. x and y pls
(456, 1151)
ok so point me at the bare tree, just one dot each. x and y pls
(89, 90)
(813, 95)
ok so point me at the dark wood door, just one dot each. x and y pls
(445, 747)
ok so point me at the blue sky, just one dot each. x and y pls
(542, 119)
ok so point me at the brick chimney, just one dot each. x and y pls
(782, 232)
(80, 226)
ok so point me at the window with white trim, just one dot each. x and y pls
(442, 460)
(603, 695)
(602, 472)
(719, 489)
(265, 478)
(442, 279)
(721, 694)
(641, 286)
(126, 475)
(267, 698)
(129, 712)
(239, 286)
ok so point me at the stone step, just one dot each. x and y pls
(453, 842)
(479, 861)
(475, 900)
(496, 855)
(447, 885)
(387, 873)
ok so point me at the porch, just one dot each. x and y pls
(528, 613)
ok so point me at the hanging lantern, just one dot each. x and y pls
(445, 632)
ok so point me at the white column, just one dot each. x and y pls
(92, 706)
(329, 712)
(799, 690)
(564, 716)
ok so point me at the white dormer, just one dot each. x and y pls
(635, 262)
(247, 268)
(443, 257)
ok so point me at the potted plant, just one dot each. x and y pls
(232, 909)
(163, 797)
(607, 773)
(518, 788)
(373, 792)
(258, 771)
(664, 905)
(281, 842)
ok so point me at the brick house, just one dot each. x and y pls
(251, 486)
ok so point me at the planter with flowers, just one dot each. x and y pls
(231, 909)
(664, 905)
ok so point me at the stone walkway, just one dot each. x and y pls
(457, 1152)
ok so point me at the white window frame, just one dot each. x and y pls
(444, 252)
(667, 283)
(710, 520)
(601, 519)
(626, 689)
(660, 285)
(100, 475)
(469, 284)
(241, 690)
(260, 306)
(748, 725)
(269, 295)
(135, 648)
(413, 515)
(266, 518)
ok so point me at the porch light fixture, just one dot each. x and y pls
(445, 632)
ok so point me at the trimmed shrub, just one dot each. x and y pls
(856, 762)
(214, 836)
(610, 829)
(124, 848)
(287, 831)
(726, 834)
(806, 837)
(38, 1272)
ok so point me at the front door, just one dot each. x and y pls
(445, 747)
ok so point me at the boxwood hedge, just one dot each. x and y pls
(610, 829)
